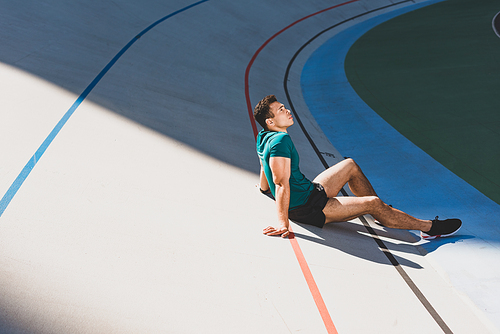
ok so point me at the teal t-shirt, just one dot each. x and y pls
(279, 144)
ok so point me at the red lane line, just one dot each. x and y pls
(318, 299)
(247, 72)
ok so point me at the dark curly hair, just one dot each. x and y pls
(262, 110)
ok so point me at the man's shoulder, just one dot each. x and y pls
(274, 136)
(282, 138)
(273, 141)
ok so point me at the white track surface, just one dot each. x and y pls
(143, 217)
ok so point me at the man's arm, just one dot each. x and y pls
(280, 167)
(264, 186)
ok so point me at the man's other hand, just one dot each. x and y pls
(282, 230)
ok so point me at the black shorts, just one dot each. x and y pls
(311, 212)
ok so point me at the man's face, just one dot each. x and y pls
(282, 117)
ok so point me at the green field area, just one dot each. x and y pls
(434, 75)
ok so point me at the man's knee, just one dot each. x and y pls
(351, 164)
(374, 202)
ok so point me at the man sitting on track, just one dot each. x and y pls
(316, 203)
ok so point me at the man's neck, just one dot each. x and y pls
(276, 129)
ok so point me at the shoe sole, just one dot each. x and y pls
(430, 237)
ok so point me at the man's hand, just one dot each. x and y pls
(282, 230)
(265, 192)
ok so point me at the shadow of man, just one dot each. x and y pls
(375, 244)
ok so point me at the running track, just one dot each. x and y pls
(96, 217)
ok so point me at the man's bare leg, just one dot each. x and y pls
(339, 209)
(346, 171)
(346, 208)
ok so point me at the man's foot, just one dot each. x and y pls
(442, 228)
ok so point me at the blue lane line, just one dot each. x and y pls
(25, 172)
